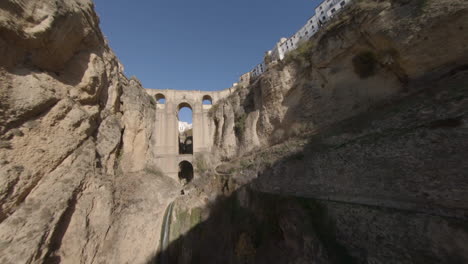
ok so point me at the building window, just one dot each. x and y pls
(323, 18)
(321, 13)
(333, 10)
(343, 3)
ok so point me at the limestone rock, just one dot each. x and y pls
(72, 127)
(405, 41)
(78, 182)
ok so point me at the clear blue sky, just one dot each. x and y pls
(197, 44)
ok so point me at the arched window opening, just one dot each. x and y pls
(185, 172)
(185, 129)
(189, 144)
(160, 98)
(207, 100)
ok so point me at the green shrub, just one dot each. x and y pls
(246, 164)
(201, 165)
(302, 56)
(420, 5)
(153, 171)
(214, 108)
(152, 101)
(239, 125)
(365, 64)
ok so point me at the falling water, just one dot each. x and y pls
(165, 232)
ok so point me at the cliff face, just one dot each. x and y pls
(76, 180)
(369, 55)
(349, 151)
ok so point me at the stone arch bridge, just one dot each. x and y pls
(168, 156)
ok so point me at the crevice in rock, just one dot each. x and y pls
(447, 123)
(454, 71)
(118, 150)
(9, 191)
(216, 135)
(61, 228)
(22, 197)
(38, 112)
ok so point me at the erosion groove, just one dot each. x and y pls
(61, 227)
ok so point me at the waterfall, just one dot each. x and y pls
(165, 233)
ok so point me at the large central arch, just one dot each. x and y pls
(185, 138)
(166, 136)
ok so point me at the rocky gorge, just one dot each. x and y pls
(351, 150)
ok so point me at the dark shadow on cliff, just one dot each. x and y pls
(252, 227)
(386, 186)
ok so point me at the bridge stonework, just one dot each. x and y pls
(167, 127)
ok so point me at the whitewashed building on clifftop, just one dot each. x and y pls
(309, 29)
(323, 13)
(259, 69)
(329, 8)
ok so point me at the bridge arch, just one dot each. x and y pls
(185, 171)
(207, 100)
(160, 98)
(182, 105)
(185, 135)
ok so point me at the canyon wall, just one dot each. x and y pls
(349, 151)
(371, 54)
(77, 179)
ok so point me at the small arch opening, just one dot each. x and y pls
(185, 128)
(185, 172)
(160, 98)
(207, 100)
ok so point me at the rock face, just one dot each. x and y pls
(76, 180)
(350, 151)
(368, 56)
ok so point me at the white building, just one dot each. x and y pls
(309, 29)
(259, 69)
(323, 13)
(329, 8)
(322, 10)
(184, 126)
(337, 7)
(286, 45)
(277, 53)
